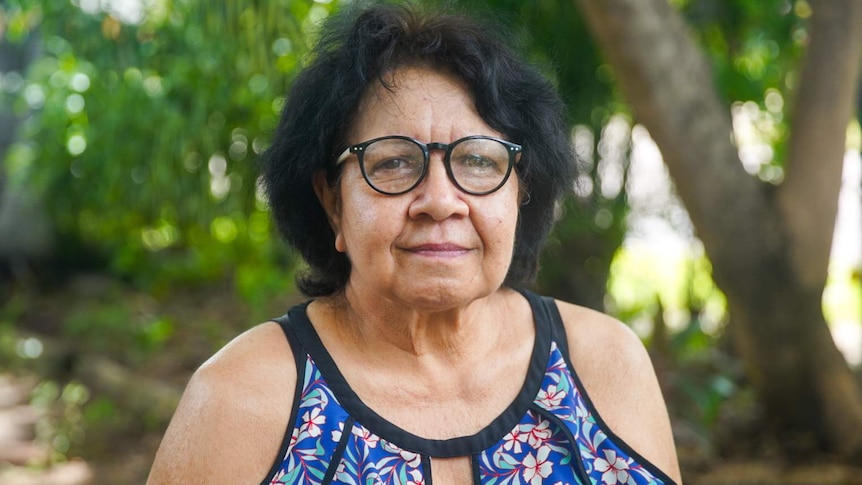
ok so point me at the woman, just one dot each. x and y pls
(416, 168)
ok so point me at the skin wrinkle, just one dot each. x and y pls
(420, 341)
(436, 210)
(399, 383)
(383, 96)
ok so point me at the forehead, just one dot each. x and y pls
(421, 103)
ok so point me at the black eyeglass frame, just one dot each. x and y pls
(513, 149)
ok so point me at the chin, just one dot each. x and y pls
(445, 295)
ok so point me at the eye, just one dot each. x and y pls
(393, 164)
(476, 163)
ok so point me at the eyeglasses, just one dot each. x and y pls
(393, 165)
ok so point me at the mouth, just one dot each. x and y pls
(439, 250)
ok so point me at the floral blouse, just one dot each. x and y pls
(550, 434)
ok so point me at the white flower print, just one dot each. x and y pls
(277, 477)
(336, 434)
(537, 467)
(513, 440)
(342, 474)
(312, 421)
(551, 397)
(416, 478)
(614, 469)
(294, 438)
(368, 437)
(581, 410)
(534, 452)
(539, 433)
(413, 460)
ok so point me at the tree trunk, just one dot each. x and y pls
(769, 248)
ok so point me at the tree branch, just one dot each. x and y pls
(823, 106)
(669, 84)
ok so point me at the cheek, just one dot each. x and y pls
(510, 214)
(510, 225)
(367, 225)
(503, 224)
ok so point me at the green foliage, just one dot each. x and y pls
(646, 283)
(755, 47)
(140, 138)
(106, 329)
(16, 355)
(671, 300)
(146, 127)
(61, 428)
(101, 412)
(9, 358)
(560, 43)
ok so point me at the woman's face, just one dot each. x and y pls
(434, 247)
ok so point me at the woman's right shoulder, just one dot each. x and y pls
(233, 415)
(260, 354)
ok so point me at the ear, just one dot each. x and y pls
(329, 199)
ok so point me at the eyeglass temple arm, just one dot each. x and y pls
(341, 158)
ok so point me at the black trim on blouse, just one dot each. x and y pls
(474, 464)
(560, 337)
(577, 461)
(335, 462)
(299, 357)
(445, 448)
(549, 326)
(427, 472)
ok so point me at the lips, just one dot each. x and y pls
(438, 249)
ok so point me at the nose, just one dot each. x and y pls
(436, 196)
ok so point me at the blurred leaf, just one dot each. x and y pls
(146, 126)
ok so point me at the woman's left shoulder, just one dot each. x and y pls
(617, 373)
(595, 330)
(610, 360)
(603, 347)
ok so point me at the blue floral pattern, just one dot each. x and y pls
(604, 461)
(369, 459)
(558, 441)
(534, 451)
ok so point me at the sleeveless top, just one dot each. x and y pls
(551, 433)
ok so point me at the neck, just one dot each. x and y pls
(446, 333)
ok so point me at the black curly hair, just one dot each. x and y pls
(360, 46)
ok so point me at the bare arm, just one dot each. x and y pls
(231, 420)
(619, 378)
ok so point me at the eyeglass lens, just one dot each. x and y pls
(395, 165)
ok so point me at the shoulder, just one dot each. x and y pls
(619, 378)
(232, 417)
